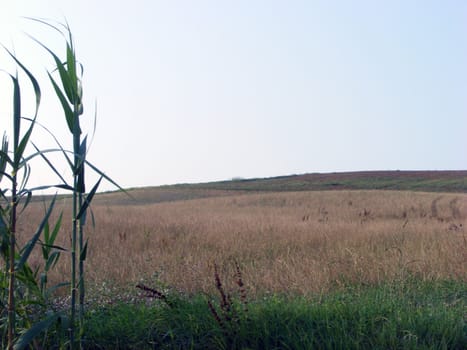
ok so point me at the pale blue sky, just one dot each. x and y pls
(192, 91)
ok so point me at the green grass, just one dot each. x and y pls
(411, 315)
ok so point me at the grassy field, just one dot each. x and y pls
(347, 257)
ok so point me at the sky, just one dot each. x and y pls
(198, 91)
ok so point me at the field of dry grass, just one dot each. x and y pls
(289, 242)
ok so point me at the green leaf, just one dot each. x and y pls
(69, 115)
(56, 141)
(82, 256)
(88, 200)
(17, 145)
(80, 166)
(52, 289)
(46, 187)
(45, 249)
(24, 179)
(16, 117)
(49, 163)
(32, 156)
(28, 200)
(35, 84)
(65, 78)
(108, 179)
(22, 146)
(71, 66)
(53, 246)
(36, 330)
(56, 229)
(3, 156)
(32, 242)
(52, 260)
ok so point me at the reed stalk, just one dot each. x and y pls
(14, 261)
(69, 92)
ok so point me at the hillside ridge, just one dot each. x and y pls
(426, 181)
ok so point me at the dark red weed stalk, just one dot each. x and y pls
(226, 302)
(154, 293)
(216, 315)
(227, 314)
(241, 287)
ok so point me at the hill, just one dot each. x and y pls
(427, 181)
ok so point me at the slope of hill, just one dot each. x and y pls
(429, 181)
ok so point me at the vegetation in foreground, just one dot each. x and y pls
(411, 315)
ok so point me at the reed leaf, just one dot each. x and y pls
(55, 230)
(52, 289)
(16, 115)
(69, 115)
(3, 156)
(27, 337)
(71, 66)
(88, 200)
(99, 172)
(25, 178)
(65, 77)
(52, 260)
(56, 141)
(34, 155)
(28, 195)
(49, 163)
(33, 80)
(32, 242)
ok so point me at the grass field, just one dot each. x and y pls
(297, 245)
(289, 242)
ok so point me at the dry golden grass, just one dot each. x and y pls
(294, 242)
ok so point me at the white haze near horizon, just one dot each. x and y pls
(196, 91)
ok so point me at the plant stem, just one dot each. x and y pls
(76, 140)
(12, 253)
(81, 265)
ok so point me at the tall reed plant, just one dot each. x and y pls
(17, 277)
(69, 90)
